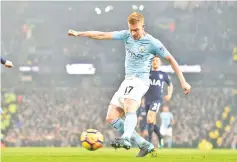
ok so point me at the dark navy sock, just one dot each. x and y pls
(150, 131)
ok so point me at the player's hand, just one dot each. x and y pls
(186, 87)
(72, 33)
(167, 97)
(8, 64)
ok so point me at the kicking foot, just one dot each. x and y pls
(121, 142)
(146, 148)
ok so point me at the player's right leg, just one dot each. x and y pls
(113, 117)
(114, 114)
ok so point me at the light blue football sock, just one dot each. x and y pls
(118, 124)
(138, 139)
(129, 124)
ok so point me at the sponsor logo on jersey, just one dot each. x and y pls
(161, 76)
(142, 48)
(155, 82)
(134, 55)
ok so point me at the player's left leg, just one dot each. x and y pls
(129, 127)
(133, 92)
(151, 120)
(130, 108)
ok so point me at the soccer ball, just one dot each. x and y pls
(92, 140)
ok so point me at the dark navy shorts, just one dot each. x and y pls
(154, 106)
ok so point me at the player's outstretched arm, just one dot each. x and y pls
(162, 52)
(7, 63)
(91, 34)
(179, 73)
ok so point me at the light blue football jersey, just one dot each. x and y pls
(139, 53)
(166, 118)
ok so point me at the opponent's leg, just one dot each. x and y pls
(160, 137)
(150, 127)
(151, 119)
(144, 131)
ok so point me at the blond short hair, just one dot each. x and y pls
(135, 18)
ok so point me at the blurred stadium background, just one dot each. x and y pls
(61, 86)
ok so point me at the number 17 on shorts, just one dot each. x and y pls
(130, 88)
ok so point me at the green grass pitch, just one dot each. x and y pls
(108, 154)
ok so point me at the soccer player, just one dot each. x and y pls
(167, 120)
(154, 97)
(7, 63)
(140, 47)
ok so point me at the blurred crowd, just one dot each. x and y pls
(188, 29)
(57, 117)
(196, 115)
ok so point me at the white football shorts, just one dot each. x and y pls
(132, 88)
